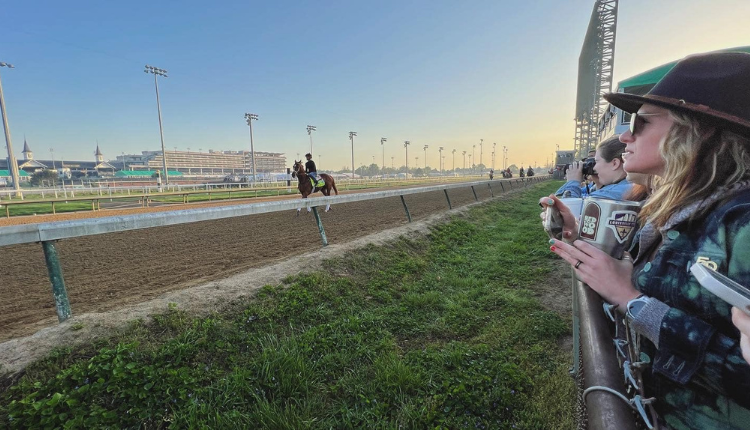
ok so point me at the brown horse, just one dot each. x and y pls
(305, 185)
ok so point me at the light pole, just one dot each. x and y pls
(481, 142)
(406, 145)
(351, 137)
(425, 156)
(52, 152)
(159, 72)
(310, 129)
(12, 164)
(392, 157)
(123, 160)
(382, 146)
(493, 155)
(454, 162)
(440, 150)
(505, 156)
(464, 160)
(249, 117)
(472, 166)
(473, 151)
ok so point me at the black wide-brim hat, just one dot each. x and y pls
(714, 88)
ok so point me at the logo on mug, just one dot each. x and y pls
(590, 221)
(622, 223)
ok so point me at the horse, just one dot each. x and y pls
(305, 185)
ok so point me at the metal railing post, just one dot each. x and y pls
(320, 226)
(58, 283)
(490, 187)
(406, 208)
(475, 193)
(448, 198)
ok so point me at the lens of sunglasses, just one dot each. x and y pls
(633, 125)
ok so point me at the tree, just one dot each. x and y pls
(44, 178)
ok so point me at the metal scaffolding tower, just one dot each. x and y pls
(595, 65)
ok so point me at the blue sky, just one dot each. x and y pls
(439, 73)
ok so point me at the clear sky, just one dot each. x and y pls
(434, 72)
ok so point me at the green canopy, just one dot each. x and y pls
(7, 173)
(651, 77)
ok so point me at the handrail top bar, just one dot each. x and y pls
(31, 233)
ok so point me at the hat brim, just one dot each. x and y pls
(631, 103)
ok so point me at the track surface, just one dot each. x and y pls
(109, 271)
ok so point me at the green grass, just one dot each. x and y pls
(441, 331)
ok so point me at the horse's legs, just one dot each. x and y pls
(328, 207)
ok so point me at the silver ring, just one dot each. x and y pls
(578, 264)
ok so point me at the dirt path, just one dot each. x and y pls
(110, 271)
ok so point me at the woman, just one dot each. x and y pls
(692, 131)
(610, 175)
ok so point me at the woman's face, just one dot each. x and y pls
(642, 147)
(608, 172)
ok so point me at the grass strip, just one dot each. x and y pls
(438, 331)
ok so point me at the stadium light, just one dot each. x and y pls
(159, 72)
(12, 163)
(406, 145)
(249, 117)
(310, 129)
(351, 137)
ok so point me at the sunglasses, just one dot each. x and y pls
(637, 122)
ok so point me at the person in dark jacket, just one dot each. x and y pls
(692, 131)
(310, 168)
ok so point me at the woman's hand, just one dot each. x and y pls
(575, 172)
(570, 224)
(606, 275)
(742, 321)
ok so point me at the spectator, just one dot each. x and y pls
(692, 131)
(610, 175)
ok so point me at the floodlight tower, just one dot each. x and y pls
(12, 163)
(310, 129)
(382, 146)
(249, 117)
(481, 142)
(473, 151)
(159, 72)
(454, 161)
(425, 155)
(493, 155)
(464, 159)
(406, 145)
(440, 150)
(351, 137)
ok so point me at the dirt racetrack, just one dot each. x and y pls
(109, 271)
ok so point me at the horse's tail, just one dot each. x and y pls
(333, 184)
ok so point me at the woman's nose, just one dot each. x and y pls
(626, 137)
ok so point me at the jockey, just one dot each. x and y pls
(310, 168)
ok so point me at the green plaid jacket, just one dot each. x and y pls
(698, 374)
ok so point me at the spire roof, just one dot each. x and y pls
(98, 152)
(25, 146)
